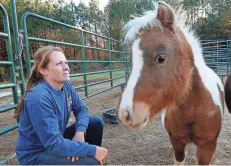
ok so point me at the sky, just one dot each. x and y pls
(102, 3)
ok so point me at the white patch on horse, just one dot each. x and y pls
(163, 114)
(137, 61)
(208, 77)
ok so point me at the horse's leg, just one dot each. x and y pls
(205, 152)
(179, 150)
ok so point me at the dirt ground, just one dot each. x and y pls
(143, 147)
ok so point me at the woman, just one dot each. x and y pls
(44, 113)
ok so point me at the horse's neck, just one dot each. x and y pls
(195, 91)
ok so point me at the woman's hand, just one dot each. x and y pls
(101, 154)
(79, 136)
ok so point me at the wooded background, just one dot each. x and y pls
(211, 20)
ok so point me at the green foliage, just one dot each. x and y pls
(210, 19)
(119, 11)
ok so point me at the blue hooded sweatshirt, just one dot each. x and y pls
(43, 121)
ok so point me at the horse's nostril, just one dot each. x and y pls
(128, 116)
(145, 119)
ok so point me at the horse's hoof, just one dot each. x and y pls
(178, 162)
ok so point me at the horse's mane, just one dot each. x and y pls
(149, 20)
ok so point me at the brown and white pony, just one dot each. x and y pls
(169, 75)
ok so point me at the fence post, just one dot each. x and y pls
(10, 53)
(83, 66)
(17, 45)
(126, 62)
(229, 56)
(26, 42)
(110, 59)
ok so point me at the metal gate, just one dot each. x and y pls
(10, 64)
(217, 56)
(83, 61)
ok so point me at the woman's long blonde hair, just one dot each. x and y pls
(41, 60)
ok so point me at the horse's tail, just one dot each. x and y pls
(228, 92)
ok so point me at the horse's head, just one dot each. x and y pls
(162, 64)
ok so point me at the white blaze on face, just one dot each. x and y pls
(137, 67)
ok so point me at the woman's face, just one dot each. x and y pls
(57, 70)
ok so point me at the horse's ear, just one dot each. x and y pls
(165, 15)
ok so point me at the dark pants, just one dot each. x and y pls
(93, 135)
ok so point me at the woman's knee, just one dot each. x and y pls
(96, 122)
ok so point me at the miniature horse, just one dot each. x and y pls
(169, 75)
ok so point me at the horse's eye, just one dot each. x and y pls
(160, 58)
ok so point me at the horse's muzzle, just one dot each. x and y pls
(127, 119)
